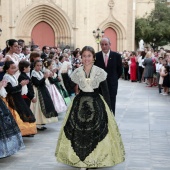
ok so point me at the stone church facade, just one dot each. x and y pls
(72, 22)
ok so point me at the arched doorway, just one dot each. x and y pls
(43, 34)
(49, 14)
(111, 34)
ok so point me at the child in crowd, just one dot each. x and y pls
(58, 84)
(57, 99)
(166, 81)
(158, 67)
(16, 102)
(33, 57)
(64, 75)
(43, 109)
(162, 73)
(24, 68)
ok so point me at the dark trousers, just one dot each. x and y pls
(140, 72)
(126, 77)
(137, 72)
(157, 78)
(113, 103)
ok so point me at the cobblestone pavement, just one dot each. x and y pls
(143, 117)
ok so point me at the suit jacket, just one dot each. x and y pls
(43, 56)
(113, 69)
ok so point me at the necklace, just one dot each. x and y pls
(87, 76)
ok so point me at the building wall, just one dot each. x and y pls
(144, 7)
(73, 21)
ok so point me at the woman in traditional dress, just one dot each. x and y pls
(10, 136)
(57, 98)
(43, 109)
(12, 48)
(64, 76)
(15, 99)
(89, 124)
(58, 81)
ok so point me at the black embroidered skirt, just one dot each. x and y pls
(85, 134)
(10, 136)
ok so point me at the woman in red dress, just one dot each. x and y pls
(133, 67)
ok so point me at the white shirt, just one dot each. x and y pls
(140, 61)
(158, 67)
(104, 54)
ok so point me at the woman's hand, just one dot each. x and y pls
(4, 83)
(50, 74)
(46, 75)
(24, 82)
(34, 100)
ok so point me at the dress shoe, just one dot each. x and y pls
(149, 85)
(40, 129)
(28, 136)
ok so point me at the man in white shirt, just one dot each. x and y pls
(158, 67)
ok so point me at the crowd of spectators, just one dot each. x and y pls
(149, 66)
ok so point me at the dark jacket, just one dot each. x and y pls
(113, 69)
(24, 76)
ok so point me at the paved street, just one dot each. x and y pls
(143, 117)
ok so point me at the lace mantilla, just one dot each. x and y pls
(39, 75)
(11, 79)
(88, 85)
(14, 82)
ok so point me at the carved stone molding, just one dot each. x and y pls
(111, 4)
(50, 1)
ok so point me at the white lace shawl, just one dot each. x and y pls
(11, 79)
(39, 75)
(14, 82)
(97, 75)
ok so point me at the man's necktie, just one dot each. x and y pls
(106, 60)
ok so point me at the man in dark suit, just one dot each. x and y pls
(111, 62)
(45, 52)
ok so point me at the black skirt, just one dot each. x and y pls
(17, 103)
(47, 106)
(87, 123)
(166, 81)
(10, 136)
